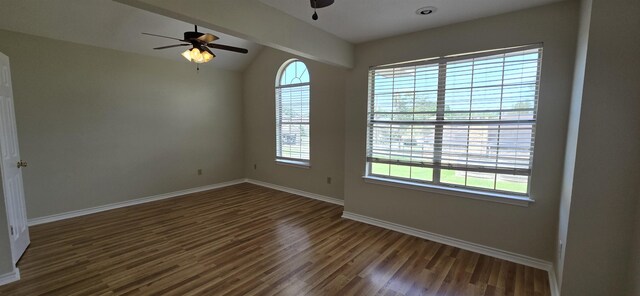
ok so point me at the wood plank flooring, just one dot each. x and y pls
(251, 240)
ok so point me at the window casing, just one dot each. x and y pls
(464, 121)
(292, 114)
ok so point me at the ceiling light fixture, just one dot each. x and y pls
(197, 55)
(427, 10)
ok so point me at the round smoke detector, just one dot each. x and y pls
(427, 10)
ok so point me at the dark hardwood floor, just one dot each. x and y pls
(251, 240)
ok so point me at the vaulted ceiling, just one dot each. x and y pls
(113, 25)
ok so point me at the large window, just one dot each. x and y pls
(292, 113)
(458, 121)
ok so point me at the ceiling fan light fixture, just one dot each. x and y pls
(187, 54)
(197, 55)
(206, 56)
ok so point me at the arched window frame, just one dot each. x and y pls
(293, 138)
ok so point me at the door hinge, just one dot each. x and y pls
(11, 230)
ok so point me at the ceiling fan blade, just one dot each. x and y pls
(206, 38)
(163, 36)
(170, 46)
(227, 47)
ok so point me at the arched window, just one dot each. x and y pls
(292, 113)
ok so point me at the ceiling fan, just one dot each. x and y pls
(315, 4)
(201, 45)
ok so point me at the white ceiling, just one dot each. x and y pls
(108, 24)
(364, 20)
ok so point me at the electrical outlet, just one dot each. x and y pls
(328, 180)
(199, 171)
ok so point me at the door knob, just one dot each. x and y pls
(22, 164)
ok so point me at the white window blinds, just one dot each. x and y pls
(292, 113)
(461, 121)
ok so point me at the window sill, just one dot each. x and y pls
(294, 163)
(467, 193)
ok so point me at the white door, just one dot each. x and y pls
(11, 166)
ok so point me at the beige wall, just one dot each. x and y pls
(524, 230)
(605, 183)
(572, 136)
(99, 126)
(327, 126)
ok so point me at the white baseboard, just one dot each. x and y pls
(297, 192)
(469, 246)
(10, 277)
(553, 282)
(78, 213)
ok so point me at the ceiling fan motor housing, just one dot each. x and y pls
(320, 3)
(192, 35)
